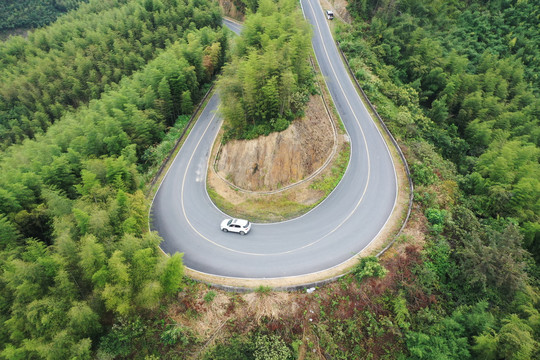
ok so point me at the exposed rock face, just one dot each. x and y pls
(279, 159)
(230, 9)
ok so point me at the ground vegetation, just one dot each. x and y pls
(33, 13)
(259, 94)
(78, 264)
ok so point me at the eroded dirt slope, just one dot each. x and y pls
(279, 159)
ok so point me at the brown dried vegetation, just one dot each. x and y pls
(336, 318)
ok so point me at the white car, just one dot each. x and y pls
(236, 225)
(329, 14)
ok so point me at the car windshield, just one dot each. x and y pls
(229, 222)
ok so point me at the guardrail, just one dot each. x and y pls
(175, 147)
(381, 121)
(300, 287)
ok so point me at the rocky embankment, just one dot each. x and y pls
(280, 159)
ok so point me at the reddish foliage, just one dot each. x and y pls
(368, 305)
(401, 274)
(208, 64)
(233, 303)
(188, 302)
(275, 326)
(240, 325)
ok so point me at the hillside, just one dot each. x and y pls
(91, 106)
(31, 14)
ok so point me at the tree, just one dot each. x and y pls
(172, 274)
(258, 91)
(111, 41)
(8, 233)
(70, 185)
(83, 321)
(165, 100)
(485, 346)
(515, 339)
(117, 290)
(496, 262)
(92, 256)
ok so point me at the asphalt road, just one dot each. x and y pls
(235, 27)
(340, 227)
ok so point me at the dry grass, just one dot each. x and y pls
(272, 305)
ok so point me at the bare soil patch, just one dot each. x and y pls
(282, 158)
(230, 10)
(287, 164)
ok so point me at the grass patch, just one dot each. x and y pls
(264, 209)
(209, 296)
(327, 183)
(263, 290)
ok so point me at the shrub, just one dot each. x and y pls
(422, 175)
(368, 267)
(209, 296)
(271, 347)
(436, 218)
(174, 334)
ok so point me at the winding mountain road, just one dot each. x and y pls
(330, 234)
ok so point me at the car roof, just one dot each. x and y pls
(240, 222)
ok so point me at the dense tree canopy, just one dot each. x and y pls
(84, 102)
(260, 94)
(475, 95)
(74, 60)
(457, 82)
(33, 13)
(74, 245)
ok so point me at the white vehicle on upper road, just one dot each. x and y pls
(236, 225)
(329, 14)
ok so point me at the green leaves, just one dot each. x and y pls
(368, 267)
(270, 70)
(271, 347)
(77, 186)
(76, 60)
(514, 341)
(176, 333)
(32, 13)
(172, 275)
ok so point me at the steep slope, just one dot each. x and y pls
(280, 159)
